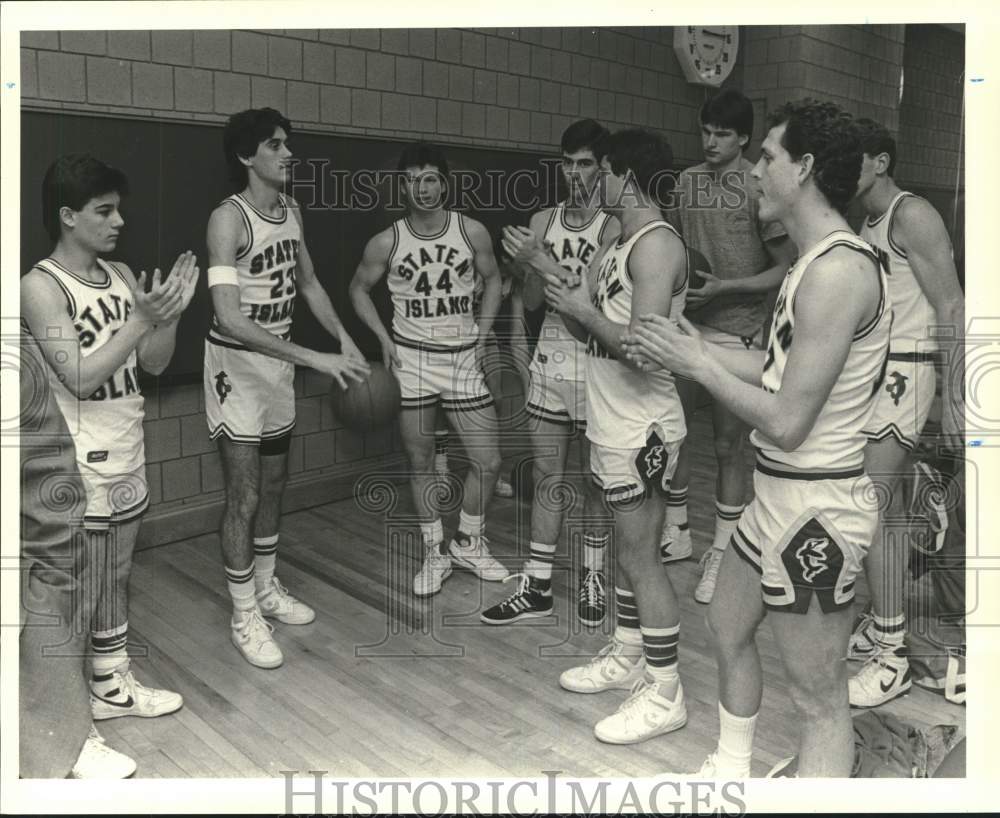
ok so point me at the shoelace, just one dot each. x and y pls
(638, 689)
(255, 621)
(522, 589)
(592, 591)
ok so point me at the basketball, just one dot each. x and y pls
(696, 261)
(369, 405)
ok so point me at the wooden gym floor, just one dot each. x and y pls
(382, 684)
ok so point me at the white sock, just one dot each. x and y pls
(735, 740)
(241, 590)
(677, 510)
(432, 533)
(594, 546)
(726, 520)
(470, 524)
(540, 564)
(265, 555)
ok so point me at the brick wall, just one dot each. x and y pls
(930, 114)
(512, 88)
(854, 66)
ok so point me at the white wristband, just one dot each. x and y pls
(222, 275)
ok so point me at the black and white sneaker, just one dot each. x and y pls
(593, 603)
(533, 598)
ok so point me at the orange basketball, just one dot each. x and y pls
(369, 405)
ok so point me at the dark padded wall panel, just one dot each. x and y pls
(177, 175)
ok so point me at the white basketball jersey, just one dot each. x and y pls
(558, 354)
(106, 426)
(265, 268)
(432, 283)
(913, 314)
(836, 440)
(623, 403)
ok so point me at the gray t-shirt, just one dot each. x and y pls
(718, 216)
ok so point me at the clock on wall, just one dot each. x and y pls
(707, 54)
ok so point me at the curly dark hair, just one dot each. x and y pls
(243, 134)
(826, 132)
(647, 158)
(876, 139)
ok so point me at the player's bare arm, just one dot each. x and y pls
(156, 348)
(226, 233)
(486, 267)
(373, 266)
(816, 357)
(523, 246)
(657, 263)
(781, 251)
(534, 286)
(316, 295)
(43, 307)
(921, 234)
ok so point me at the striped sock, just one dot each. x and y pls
(677, 508)
(889, 631)
(470, 524)
(660, 647)
(265, 554)
(241, 588)
(593, 551)
(726, 520)
(627, 622)
(540, 564)
(110, 652)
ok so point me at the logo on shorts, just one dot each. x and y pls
(222, 385)
(812, 557)
(97, 456)
(654, 461)
(896, 387)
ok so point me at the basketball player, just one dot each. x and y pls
(716, 211)
(96, 325)
(912, 242)
(800, 542)
(435, 349)
(573, 231)
(635, 424)
(259, 263)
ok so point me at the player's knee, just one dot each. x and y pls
(488, 461)
(724, 639)
(818, 692)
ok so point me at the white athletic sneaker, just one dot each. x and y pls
(786, 768)
(675, 543)
(643, 715)
(252, 637)
(709, 564)
(611, 669)
(129, 698)
(863, 643)
(435, 570)
(275, 601)
(474, 553)
(712, 768)
(884, 677)
(97, 760)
